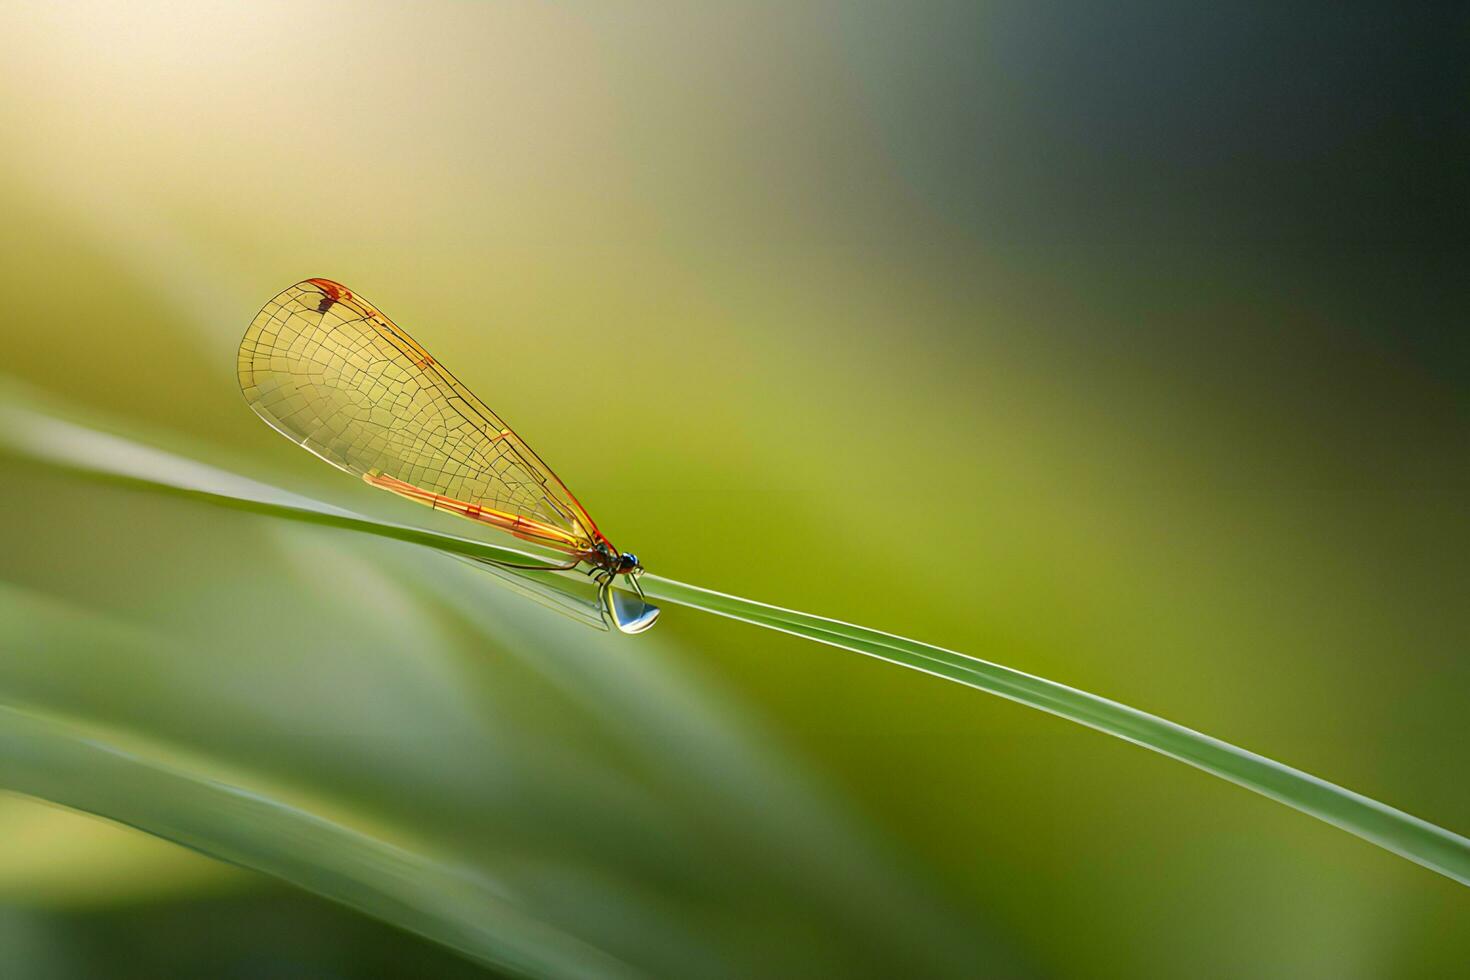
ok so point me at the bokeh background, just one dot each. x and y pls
(1124, 344)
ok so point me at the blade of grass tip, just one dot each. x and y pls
(99, 455)
(1418, 840)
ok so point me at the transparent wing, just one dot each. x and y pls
(338, 378)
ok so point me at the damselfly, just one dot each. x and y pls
(335, 376)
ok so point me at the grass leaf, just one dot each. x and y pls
(101, 456)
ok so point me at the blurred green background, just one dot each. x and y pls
(1123, 344)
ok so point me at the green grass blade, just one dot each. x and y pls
(98, 455)
(120, 776)
(1418, 840)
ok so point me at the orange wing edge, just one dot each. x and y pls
(522, 527)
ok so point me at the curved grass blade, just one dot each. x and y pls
(109, 457)
(1408, 836)
(117, 775)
